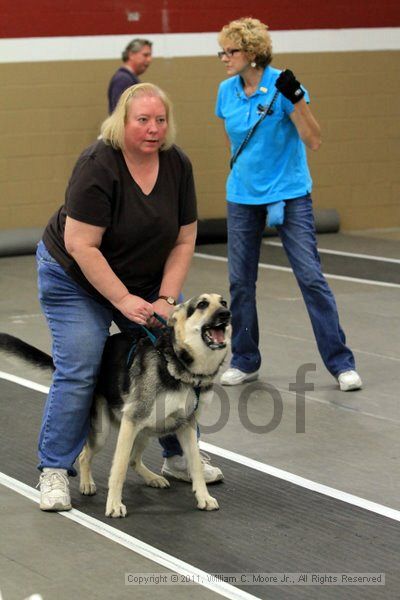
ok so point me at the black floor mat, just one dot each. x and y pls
(344, 266)
(264, 525)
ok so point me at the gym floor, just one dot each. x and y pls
(311, 481)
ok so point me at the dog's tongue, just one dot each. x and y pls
(217, 335)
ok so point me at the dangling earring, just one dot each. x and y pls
(253, 64)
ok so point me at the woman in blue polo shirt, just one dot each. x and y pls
(270, 177)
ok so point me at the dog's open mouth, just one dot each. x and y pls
(214, 335)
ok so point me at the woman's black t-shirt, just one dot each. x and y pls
(141, 229)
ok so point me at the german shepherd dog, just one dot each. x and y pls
(159, 393)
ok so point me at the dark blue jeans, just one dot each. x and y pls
(79, 327)
(246, 224)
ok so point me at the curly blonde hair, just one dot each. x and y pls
(113, 128)
(251, 36)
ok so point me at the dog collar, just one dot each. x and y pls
(197, 390)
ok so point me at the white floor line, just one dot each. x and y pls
(23, 317)
(135, 545)
(289, 270)
(342, 253)
(374, 507)
(312, 341)
(340, 406)
(375, 354)
(25, 382)
(379, 509)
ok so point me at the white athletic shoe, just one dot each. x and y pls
(349, 380)
(54, 490)
(234, 377)
(177, 468)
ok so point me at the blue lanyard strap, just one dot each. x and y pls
(267, 111)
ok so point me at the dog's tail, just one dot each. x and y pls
(15, 347)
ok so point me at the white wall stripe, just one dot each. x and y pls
(314, 486)
(102, 47)
(289, 270)
(134, 544)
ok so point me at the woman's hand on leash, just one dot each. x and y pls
(163, 309)
(135, 309)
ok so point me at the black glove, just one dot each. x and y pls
(289, 87)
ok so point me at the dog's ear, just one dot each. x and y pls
(174, 316)
(171, 320)
(177, 320)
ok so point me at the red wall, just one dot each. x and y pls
(31, 18)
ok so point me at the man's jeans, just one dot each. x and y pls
(79, 326)
(246, 224)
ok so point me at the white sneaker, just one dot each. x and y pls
(54, 490)
(177, 468)
(234, 377)
(349, 380)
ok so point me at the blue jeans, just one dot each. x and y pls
(246, 224)
(79, 326)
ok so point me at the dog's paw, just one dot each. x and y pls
(158, 482)
(207, 503)
(87, 488)
(115, 509)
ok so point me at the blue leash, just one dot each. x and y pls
(150, 335)
(153, 338)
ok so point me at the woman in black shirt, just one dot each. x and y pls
(119, 249)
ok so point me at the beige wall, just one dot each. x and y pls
(50, 111)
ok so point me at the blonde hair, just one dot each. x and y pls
(251, 36)
(113, 128)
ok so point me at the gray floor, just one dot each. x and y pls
(351, 441)
(60, 559)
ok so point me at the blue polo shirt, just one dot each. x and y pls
(273, 165)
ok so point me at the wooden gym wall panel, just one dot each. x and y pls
(51, 106)
(52, 110)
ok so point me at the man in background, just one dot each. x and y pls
(136, 58)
